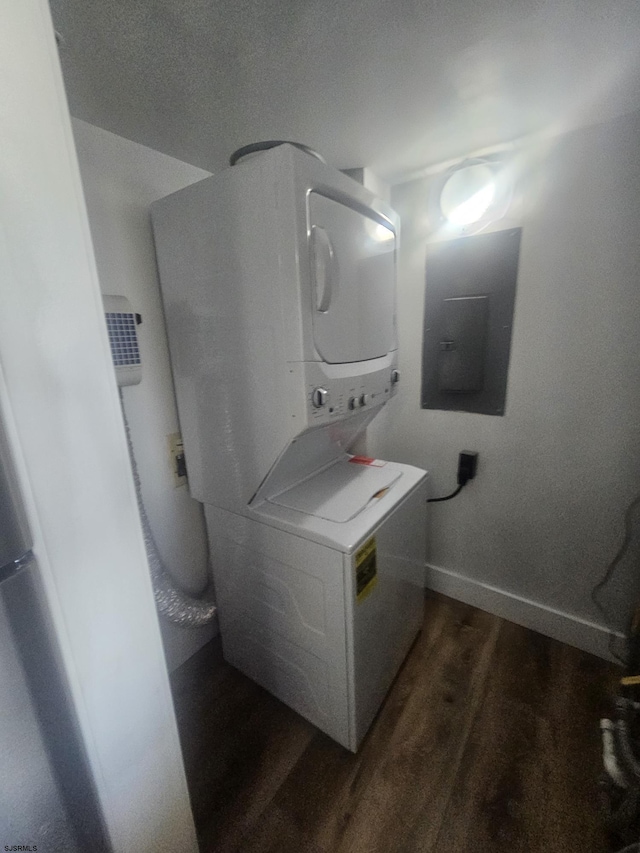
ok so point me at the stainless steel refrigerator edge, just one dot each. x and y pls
(46, 791)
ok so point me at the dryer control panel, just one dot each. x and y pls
(331, 398)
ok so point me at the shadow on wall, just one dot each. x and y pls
(536, 529)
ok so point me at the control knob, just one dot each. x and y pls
(364, 399)
(395, 377)
(353, 402)
(319, 397)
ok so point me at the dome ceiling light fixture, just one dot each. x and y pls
(472, 194)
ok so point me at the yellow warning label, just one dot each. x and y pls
(366, 570)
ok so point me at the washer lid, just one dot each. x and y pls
(341, 491)
(345, 536)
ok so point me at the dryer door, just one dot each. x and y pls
(353, 281)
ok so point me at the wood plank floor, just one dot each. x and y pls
(488, 741)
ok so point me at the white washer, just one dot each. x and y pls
(322, 612)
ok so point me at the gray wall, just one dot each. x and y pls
(120, 179)
(532, 534)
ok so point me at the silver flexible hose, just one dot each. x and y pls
(172, 603)
(623, 739)
(609, 754)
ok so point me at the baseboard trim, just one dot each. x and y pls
(557, 624)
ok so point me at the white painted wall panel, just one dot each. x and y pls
(60, 402)
(545, 513)
(120, 179)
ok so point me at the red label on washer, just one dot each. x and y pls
(367, 460)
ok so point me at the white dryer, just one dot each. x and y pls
(278, 280)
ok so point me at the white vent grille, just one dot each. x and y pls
(123, 339)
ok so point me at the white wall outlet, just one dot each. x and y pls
(176, 459)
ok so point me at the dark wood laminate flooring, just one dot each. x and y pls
(488, 741)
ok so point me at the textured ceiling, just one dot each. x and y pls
(392, 84)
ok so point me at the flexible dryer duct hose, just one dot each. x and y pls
(624, 740)
(172, 603)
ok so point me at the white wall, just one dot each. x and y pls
(60, 405)
(532, 534)
(120, 180)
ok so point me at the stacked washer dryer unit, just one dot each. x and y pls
(278, 280)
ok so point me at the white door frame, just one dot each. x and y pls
(59, 400)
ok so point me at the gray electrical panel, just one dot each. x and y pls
(468, 316)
